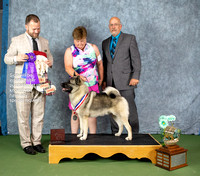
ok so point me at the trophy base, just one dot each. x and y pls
(171, 157)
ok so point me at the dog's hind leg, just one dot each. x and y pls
(81, 127)
(119, 123)
(128, 128)
(85, 128)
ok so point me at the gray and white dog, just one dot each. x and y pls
(91, 104)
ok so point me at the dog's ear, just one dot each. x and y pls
(78, 80)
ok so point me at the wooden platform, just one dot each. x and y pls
(104, 145)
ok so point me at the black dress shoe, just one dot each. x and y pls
(29, 150)
(39, 148)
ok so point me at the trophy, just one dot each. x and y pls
(170, 156)
(44, 85)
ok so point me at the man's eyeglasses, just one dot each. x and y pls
(115, 24)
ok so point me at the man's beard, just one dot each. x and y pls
(33, 35)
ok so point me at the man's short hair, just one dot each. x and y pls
(33, 17)
(79, 33)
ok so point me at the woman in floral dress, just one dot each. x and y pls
(84, 59)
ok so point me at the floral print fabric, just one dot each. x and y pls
(84, 63)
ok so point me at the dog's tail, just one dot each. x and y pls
(112, 92)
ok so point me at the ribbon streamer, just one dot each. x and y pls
(29, 70)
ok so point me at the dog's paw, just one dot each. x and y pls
(79, 135)
(117, 134)
(128, 138)
(83, 138)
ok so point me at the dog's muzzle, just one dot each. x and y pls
(66, 87)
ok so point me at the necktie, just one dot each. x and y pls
(112, 51)
(35, 46)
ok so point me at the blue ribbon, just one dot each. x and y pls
(25, 68)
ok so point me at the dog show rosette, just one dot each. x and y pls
(35, 72)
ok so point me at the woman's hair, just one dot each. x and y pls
(33, 17)
(79, 33)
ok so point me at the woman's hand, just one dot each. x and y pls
(103, 86)
(83, 78)
(100, 82)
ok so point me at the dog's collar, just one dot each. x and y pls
(80, 102)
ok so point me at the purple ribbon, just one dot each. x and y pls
(31, 76)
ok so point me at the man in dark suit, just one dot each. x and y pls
(122, 66)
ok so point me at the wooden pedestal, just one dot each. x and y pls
(142, 146)
(171, 157)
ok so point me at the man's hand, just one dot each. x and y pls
(133, 82)
(49, 63)
(22, 58)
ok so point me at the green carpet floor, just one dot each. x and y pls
(14, 162)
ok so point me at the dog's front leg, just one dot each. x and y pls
(85, 128)
(81, 127)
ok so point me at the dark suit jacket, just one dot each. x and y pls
(126, 63)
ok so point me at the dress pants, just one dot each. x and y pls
(26, 103)
(129, 95)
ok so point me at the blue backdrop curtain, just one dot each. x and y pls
(3, 114)
(168, 37)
